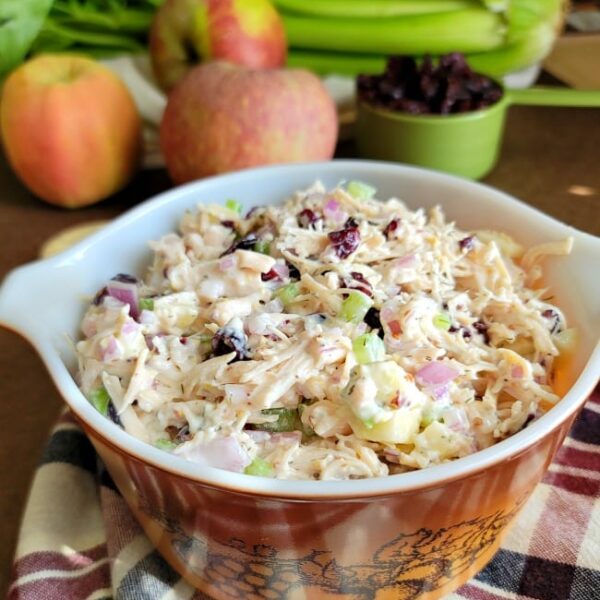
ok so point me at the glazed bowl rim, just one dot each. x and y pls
(307, 490)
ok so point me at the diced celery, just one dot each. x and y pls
(262, 246)
(165, 444)
(442, 321)
(360, 190)
(259, 467)
(368, 348)
(233, 205)
(287, 293)
(355, 307)
(100, 400)
(288, 419)
(146, 304)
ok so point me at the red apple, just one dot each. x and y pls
(222, 117)
(70, 128)
(186, 32)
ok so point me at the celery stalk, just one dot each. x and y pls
(514, 57)
(326, 63)
(494, 63)
(524, 16)
(370, 8)
(468, 30)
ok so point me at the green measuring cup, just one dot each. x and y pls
(465, 144)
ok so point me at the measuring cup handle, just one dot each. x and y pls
(554, 96)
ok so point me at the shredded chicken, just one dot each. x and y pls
(335, 336)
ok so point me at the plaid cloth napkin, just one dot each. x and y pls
(79, 541)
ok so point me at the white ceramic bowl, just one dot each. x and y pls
(45, 301)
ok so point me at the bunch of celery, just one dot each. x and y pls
(93, 27)
(354, 36)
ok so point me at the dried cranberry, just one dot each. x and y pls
(306, 218)
(482, 328)
(113, 415)
(466, 243)
(373, 321)
(391, 227)
(253, 211)
(293, 270)
(228, 224)
(358, 282)
(124, 278)
(228, 339)
(245, 243)
(550, 313)
(345, 241)
(100, 295)
(178, 434)
(269, 275)
(466, 333)
(449, 87)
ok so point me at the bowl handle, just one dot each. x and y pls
(22, 298)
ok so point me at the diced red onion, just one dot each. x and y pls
(456, 419)
(333, 212)
(287, 437)
(440, 392)
(273, 306)
(147, 317)
(436, 373)
(227, 262)
(257, 435)
(386, 313)
(125, 292)
(282, 270)
(130, 328)
(406, 261)
(517, 372)
(331, 207)
(111, 350)
(392, 455)
(222, 453)
(236, 392)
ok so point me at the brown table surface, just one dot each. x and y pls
(549, 159)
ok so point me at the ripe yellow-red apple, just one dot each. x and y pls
(187, 32)
(70, 129)
(222, 117)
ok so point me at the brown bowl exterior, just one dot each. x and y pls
(419, 544)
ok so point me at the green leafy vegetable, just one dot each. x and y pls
(20, 23)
